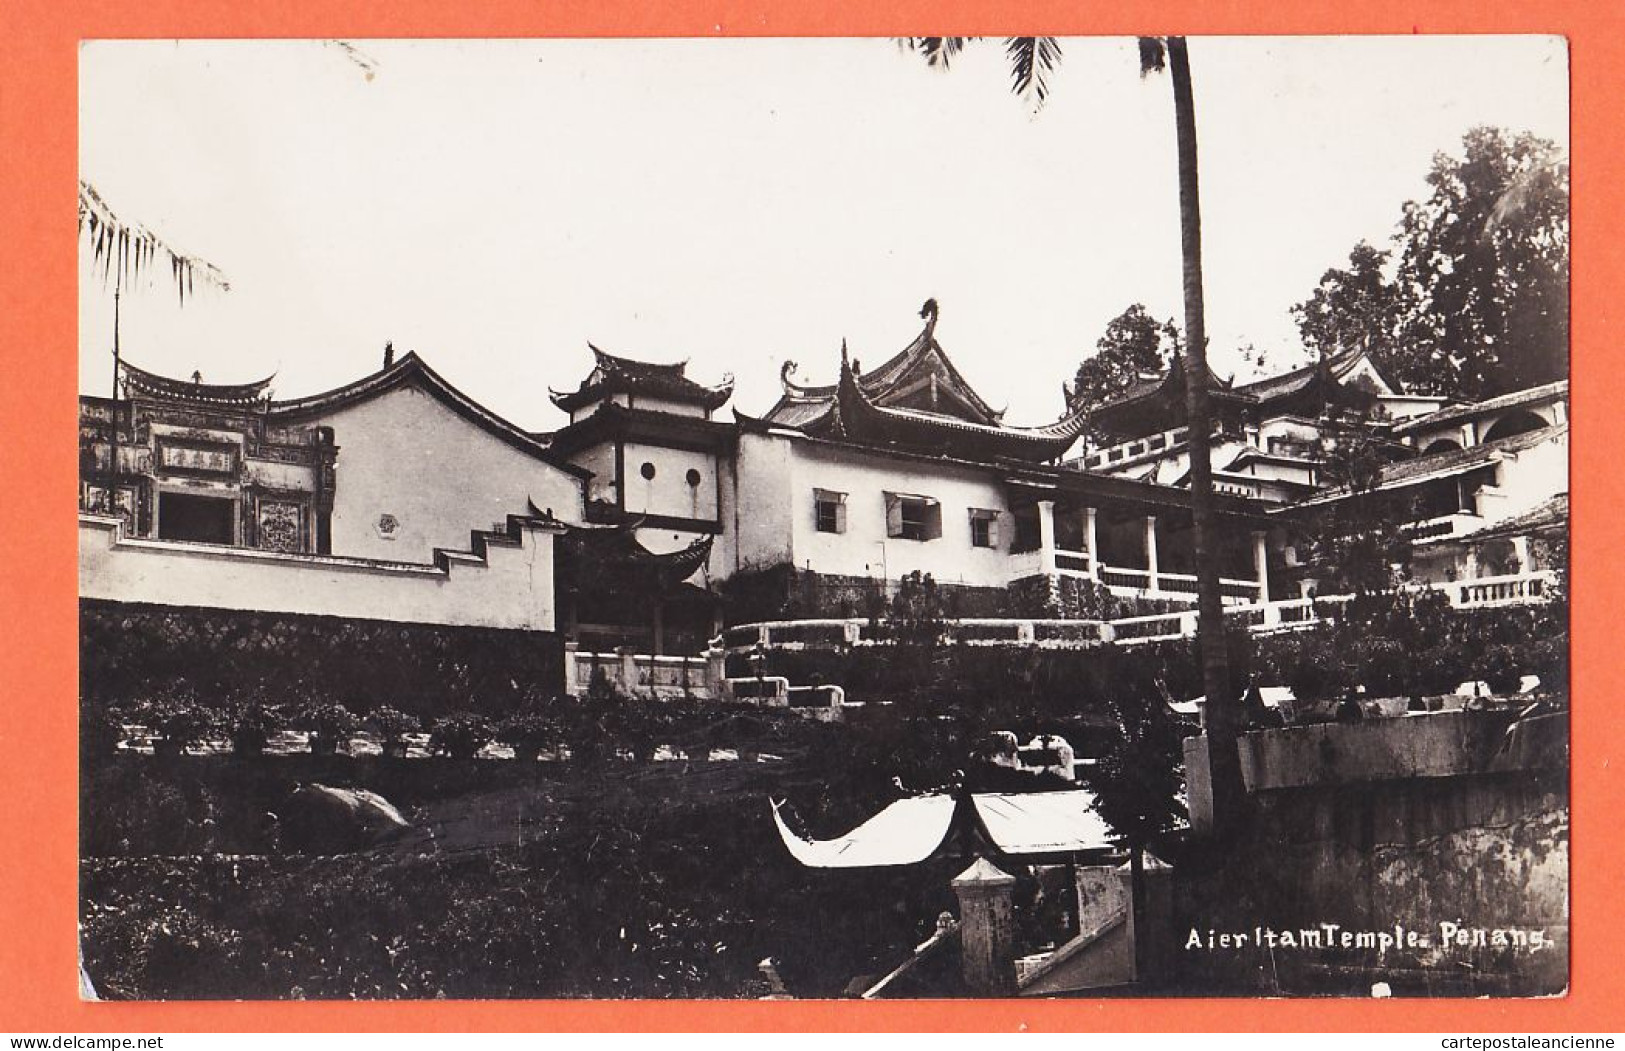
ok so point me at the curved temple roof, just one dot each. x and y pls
(909, 831)
(613, 374)
(141, 382)
(916, 399)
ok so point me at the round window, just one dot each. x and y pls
(693, 477)
(648, 470)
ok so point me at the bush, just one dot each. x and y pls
(461, 735)
(101, 730)
(1501, 666)
(392, 725)
(326, 723)
(1317, 671)
(528, 732)
(252, 726)
(178, 722)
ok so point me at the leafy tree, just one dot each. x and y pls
(1472, 300)
(1031, 60)
(1137, 781)
(1359, 308)
(915, 624)
(1358, 545)
(1135, 343)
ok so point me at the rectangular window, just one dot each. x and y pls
(829, 511)
(913, 517)
(984, 528)
(203, 519)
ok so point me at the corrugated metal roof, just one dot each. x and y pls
(1043, 822)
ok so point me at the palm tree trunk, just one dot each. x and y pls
(1222, 722)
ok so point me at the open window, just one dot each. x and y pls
(984, 528)
(201, 519)
(829, 511)
(913, 517)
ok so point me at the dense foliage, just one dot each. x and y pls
(1471, 299)
(1134, 344)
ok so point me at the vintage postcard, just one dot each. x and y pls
(806, 519)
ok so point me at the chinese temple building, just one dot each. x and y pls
(645, 521)
(905, 468)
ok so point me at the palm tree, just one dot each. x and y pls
(123, 250)
(1031, 60)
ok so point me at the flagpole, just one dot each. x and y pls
(112, 457)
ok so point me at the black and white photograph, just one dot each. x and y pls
(816, 519)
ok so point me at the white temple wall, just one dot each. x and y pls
(864, 549)
(648, 403)
(1526, 479)
(756, 507)
(511, 588)
(438, 474)
(669, 491)
(600, 460)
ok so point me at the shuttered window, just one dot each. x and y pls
(829, 511)
(913, 517)
(984, 528)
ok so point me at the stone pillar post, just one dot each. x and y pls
(716, 672)
(1520, 551)
(1046, 537)
(628, 669)
(1261, 566)
(1090, 532)
(987, 929)
(1151, 581)
(573, 685)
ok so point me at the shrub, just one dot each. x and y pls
(392, 725)
(1316, 671)
(178, 722)
(252, 726)
(461, 735)
(1501, 666)
(1384, 668)
(326, 723)
(528, 732)
(101, 729)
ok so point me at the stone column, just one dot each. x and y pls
(1046, 537)
(572, 679)
(1090, 532)
(1520, 551)
(716, 672)
(987, 929)
(1261, 566)
(1151, 581)
(628, 669)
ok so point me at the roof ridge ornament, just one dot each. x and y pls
(929, 311)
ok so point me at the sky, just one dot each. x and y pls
(497, 205)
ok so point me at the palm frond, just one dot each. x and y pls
(1153, 55)
(363, 61)
(938, 51)
(1032, 59)
(127, 249)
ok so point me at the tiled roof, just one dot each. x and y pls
(613, 374)
(141, 382)
(1548, 514)
(412, 370)
(1455, 461)
(1528, 396)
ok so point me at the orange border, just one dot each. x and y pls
(38, 285)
